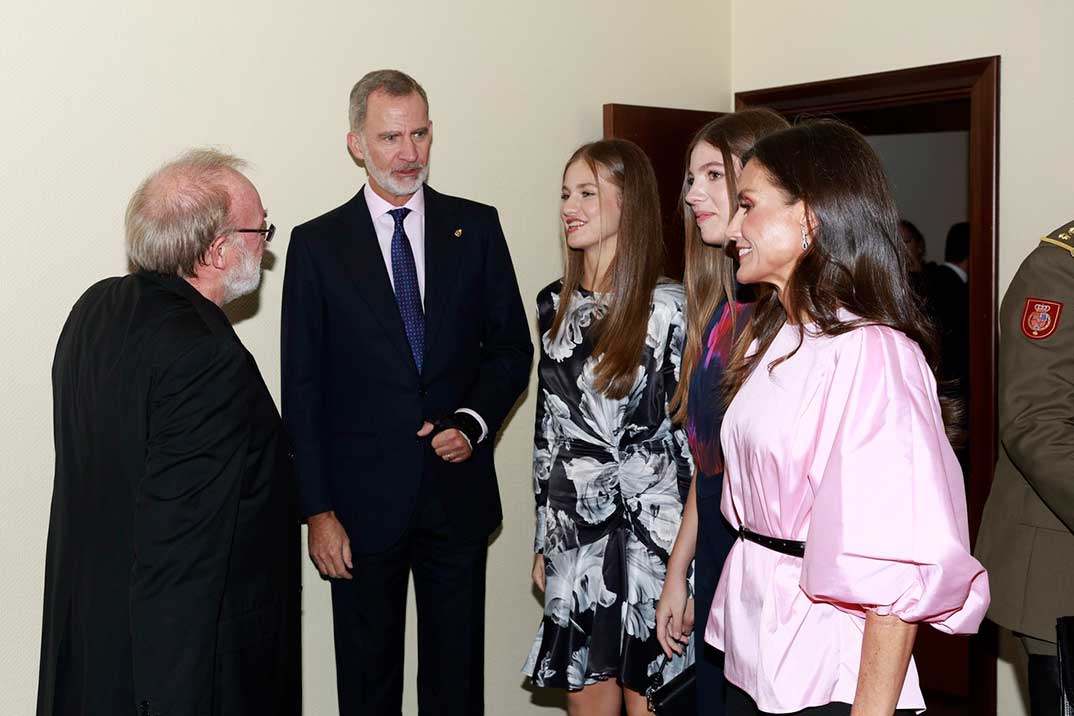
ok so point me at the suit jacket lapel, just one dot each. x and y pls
(361, 254)
(441, 262)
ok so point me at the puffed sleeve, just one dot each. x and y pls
(888, 532)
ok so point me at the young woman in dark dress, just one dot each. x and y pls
(709, 200)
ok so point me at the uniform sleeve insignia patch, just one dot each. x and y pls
(1040, 318)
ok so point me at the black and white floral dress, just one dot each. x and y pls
(611, 478)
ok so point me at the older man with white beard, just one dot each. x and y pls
(172, 571)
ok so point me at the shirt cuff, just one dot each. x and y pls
(480, 421)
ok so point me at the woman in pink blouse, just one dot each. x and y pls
(839, 475)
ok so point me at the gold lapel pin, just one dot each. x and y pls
(458, 233)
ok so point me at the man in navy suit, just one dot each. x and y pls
(405, 345)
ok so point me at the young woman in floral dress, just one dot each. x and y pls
(611, 473)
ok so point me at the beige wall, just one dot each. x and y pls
(788, 42)
(96, 94)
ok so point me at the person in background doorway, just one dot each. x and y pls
(917, 265)
(949, 300)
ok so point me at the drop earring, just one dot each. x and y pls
(805, 238)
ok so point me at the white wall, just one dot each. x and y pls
(97, 94)
(785, 43)
(929, 177)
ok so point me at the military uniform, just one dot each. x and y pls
(1027, 532)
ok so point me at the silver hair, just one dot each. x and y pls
(178, 210)
(393, 82)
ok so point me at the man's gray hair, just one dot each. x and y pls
(178, 210)
(393, 82)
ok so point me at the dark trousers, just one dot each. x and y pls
(369, 619)
(714, 541)
(739, 703)
(1045, 687)
(1045, 694)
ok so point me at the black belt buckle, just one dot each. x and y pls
(789, 547)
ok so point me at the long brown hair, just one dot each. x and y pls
(709, 273)
(855, 260)
(633, 272)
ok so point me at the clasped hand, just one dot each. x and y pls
(450, 445)
(329, 545)
(674, 617)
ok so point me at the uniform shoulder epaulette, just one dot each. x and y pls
(1063, 237)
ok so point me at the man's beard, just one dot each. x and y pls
(396, 187)
(243, 278)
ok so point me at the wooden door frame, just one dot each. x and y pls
(975, 80)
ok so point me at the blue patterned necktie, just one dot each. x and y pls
(407, 293)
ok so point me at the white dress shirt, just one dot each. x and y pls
(959, 271)
(414, 226)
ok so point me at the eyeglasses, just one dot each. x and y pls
(269, 232)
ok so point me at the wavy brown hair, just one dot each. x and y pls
(709, 274)
(855, 260)
(633, 272)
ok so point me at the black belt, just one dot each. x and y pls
(785, 546)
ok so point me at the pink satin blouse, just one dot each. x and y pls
(843, 446)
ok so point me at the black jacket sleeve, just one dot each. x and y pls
(184, 523)
(301, 336)
(506, 349)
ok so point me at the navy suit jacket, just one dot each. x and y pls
(353, 399)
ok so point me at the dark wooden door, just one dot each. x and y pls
(663, 134)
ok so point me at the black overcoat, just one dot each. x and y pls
(172, 570)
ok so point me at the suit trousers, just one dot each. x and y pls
(1045, 689)
(369, 621)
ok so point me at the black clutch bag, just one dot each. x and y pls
(1064, 632)
(677, 697)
